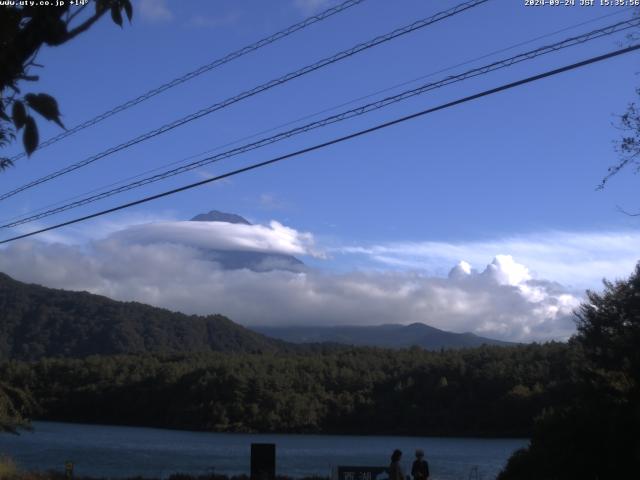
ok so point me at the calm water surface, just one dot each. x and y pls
(107, 451)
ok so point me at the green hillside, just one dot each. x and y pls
(37, 322)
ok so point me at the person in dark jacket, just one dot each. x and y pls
(395, 470)
(420, 468)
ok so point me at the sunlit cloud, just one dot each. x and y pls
(272, 238)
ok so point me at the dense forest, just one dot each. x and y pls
(494, 391)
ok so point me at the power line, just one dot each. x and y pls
(351, 136)
(197, 72)
(361, 110)
(325, 110)
(256, 90)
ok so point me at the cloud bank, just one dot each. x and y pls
(578, 260)
(162, 264)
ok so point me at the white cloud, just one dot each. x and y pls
(269, 201)
(461, 270)
(205, 21)
(576, 259)
(506, 271)
(309, 7)
(155, 10)
(161, 264)
(81, 233)
(275, 238)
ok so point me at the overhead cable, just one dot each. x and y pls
(197, 72)
(254, 91)
(315, 114)
(334, 141)
(361, 110)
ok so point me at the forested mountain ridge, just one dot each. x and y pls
(37, 322)
(386, 336)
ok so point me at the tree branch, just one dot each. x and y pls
(75, 14)
(83, 27)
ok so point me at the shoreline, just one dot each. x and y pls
(434, 435)
(61, 475)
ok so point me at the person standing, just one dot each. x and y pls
(395, 470)
(420, 468)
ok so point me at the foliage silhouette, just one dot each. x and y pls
(595, 431)
(24, 29)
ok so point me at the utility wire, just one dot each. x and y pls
(351, 136)
(256, 90)
(306, 117)
(361, 110)
(197, 72)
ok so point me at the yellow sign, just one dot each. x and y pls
(68, 469)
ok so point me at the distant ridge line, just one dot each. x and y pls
(385, 335)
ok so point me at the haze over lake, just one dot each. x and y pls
(109, 451)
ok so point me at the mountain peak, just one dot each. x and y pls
(218, 216)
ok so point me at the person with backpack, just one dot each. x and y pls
(420, 468)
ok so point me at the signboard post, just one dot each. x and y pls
(263, 461)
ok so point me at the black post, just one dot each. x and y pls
(263, 461)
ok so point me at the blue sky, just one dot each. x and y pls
(511, 174)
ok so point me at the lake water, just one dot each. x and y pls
(108, 451)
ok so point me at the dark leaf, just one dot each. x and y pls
(30, 136)
(19, 114)
(116, 15)
(101, 5)
(4, 116)
(5, 163)
(126, 4)
(54, 32)
(45, 105)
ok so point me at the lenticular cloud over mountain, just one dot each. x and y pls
(249, 273)
(274, 238)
